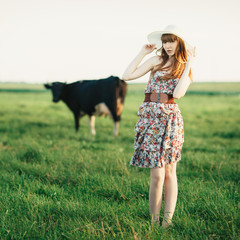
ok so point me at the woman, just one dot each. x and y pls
(159, 130)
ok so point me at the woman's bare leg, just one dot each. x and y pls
(170, 193)
(155, 192)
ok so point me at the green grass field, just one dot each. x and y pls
(59, 184)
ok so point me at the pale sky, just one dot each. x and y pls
(69, 40)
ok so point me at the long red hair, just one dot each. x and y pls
(179, 61)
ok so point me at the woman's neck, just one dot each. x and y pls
(171, 59)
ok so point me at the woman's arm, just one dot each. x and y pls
(134, 71)
(184, 81)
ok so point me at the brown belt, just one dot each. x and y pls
(159, 98)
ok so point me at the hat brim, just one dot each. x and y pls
(155, 38)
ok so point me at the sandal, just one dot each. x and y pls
(166, 224)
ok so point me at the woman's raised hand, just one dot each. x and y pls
(148, 48)
(191, 54)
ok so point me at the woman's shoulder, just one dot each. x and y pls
(156, 60)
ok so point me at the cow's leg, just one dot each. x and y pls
(118, 112)
(116, 128)
(92, 124)
(76, 118)
(115, 117)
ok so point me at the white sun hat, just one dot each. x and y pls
(155, 37)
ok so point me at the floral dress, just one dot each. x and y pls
(159, 130)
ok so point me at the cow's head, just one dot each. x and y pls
(57, 90)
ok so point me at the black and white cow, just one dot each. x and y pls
(92, 97)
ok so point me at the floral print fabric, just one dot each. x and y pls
(159, 130)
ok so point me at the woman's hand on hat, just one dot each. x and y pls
(191, 54)
(148, 48)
